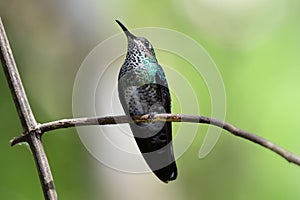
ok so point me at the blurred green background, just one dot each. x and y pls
(256, 46)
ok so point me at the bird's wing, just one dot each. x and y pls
(162, 84)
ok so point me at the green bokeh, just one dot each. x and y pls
(256, 48)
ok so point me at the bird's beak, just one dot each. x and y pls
(126, 31)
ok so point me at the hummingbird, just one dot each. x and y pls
(143, 89)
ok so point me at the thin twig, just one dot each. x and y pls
(29, 124)
(65, 123)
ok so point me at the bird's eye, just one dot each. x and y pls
(147, 44)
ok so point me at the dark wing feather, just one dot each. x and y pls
(153, 139)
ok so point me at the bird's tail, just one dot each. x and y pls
(156, 148)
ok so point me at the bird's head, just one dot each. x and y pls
(138, 45)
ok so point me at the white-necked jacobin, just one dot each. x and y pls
(143, 89)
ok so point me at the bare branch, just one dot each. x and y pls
(65, 123)
(15, 84)
(29, 124)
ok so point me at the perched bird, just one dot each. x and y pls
(143, 89)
